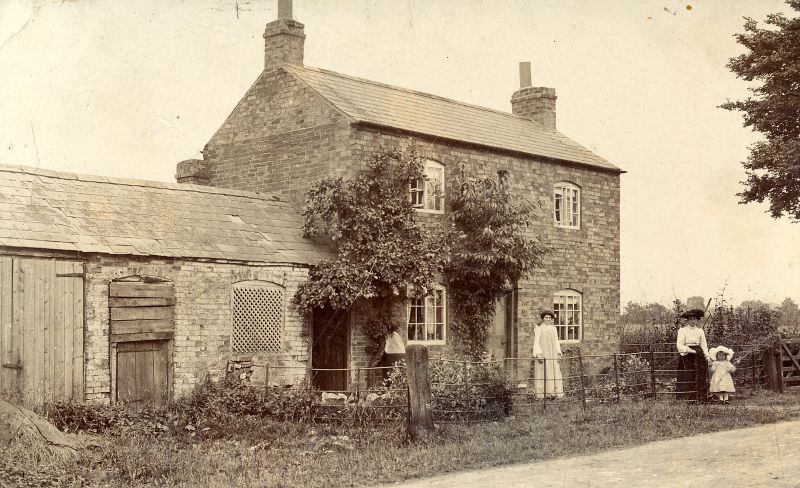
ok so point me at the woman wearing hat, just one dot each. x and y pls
(692, 378)
(547, 353)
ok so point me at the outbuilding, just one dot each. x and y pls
(125, 290)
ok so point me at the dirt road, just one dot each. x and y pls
(764, 456)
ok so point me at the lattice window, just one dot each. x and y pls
(258, 315)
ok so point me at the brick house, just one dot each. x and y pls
(118, 289)
(297, 124)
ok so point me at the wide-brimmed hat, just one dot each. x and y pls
(694, 313)
(544, 312)
(712, 353)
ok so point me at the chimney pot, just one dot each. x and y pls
(524, 74)
(284, 9)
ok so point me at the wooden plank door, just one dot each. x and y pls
(41, 329)
(142, 372)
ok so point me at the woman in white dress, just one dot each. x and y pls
(547, 378)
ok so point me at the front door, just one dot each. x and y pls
(502, 334)
(329, 350)
(143, 372)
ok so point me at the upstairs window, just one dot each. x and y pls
(427, 318)
(567, 305)
(427, 193)
(567, 205)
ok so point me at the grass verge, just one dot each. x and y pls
(252, 451)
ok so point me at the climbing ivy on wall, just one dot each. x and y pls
(383, 253)
(381, 250)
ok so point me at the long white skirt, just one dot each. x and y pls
(547, 378)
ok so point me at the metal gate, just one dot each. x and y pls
(41, 330)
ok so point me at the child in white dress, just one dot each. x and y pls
(721, 381)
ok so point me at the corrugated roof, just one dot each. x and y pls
(389, 106)
(53, 210)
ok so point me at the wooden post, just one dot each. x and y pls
(769, 368)
(266, 377)
(466, 387)
(616, 376)
(755, 382)
(779, 369)
(652, 372)
(420, 416)
(583, 386)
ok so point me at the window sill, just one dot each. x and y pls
(428, 343)
(429, 211)
(562, 226)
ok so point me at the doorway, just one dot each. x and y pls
(329, 350)
(502, 340)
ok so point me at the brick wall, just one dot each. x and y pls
(281, 137)
(585, 259)
(203, 322)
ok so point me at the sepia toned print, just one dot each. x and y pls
(292, 243)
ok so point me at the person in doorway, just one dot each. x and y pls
(692, 377)
(547, 378)
(721, 379)
(391, 351)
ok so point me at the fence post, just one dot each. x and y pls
(266, 377)
(779, 369)
(583, 387)
(419, 392)
(652, 372)
(769, 368)
(616, 377)
(753, 370)
(544, 383)
(466, 387)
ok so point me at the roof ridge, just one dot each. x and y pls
(117, 180)
(416, 92)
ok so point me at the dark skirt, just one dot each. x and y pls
(692, 378)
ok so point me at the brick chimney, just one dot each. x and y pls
(283, 38)
(536, 103)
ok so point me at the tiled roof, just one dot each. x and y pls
(94, 214)
(385, 105)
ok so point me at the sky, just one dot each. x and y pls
(120, 88)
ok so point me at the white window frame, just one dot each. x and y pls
(427, 194)
(567, 200)
(568, 308)
(428, 304)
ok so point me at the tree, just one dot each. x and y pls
(773, 60)
(492, 249)
(380, 248)
(789, 320)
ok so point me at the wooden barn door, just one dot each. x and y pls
(41, 330)
(142, 329)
